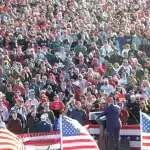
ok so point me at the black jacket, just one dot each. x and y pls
(31, 124)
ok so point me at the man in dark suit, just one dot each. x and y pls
(78, 113)
(113, 124)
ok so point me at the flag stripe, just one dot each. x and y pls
(8, 133)
(96, 131)
(145, 134)
(10, 141)
(91, 147)
(126, 127)
(78, 143)
(146, 141)
(76, 140)
(8, 147)
(42, 142)
(78, 137)
(146, 144)
(39, 137)
(146, 137)
(7, 137)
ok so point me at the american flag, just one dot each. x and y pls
(145, 131)
(9, 141)
(74, 136)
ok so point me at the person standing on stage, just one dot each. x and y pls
(113, 124)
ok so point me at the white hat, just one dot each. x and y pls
(77, 83)
(44, 116)
(132, 97)
(81, 55)
(102, 101)
(1, 94)
(105, 80)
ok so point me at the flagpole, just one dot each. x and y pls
(61, 147)
(141, 129)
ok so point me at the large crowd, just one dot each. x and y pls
(72, 57)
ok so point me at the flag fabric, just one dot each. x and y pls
(145, 131)
(74, 136)
(9, 141)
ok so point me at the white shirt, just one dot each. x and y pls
(63, 37)
(106, 50)
(125, 50)
(123, 81)
(107, 88)
(22, 111)
(127, 69)
(2, 125)
(62, 54)
(39, 56)
(5, 113)
(81, 84)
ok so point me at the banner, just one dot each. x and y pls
(42, 141)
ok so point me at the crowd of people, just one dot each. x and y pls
(72, 57)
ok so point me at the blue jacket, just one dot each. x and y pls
(112, 113)
(56, 125)
(43, 126)
(121, 41)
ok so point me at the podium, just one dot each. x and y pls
(102, 137)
